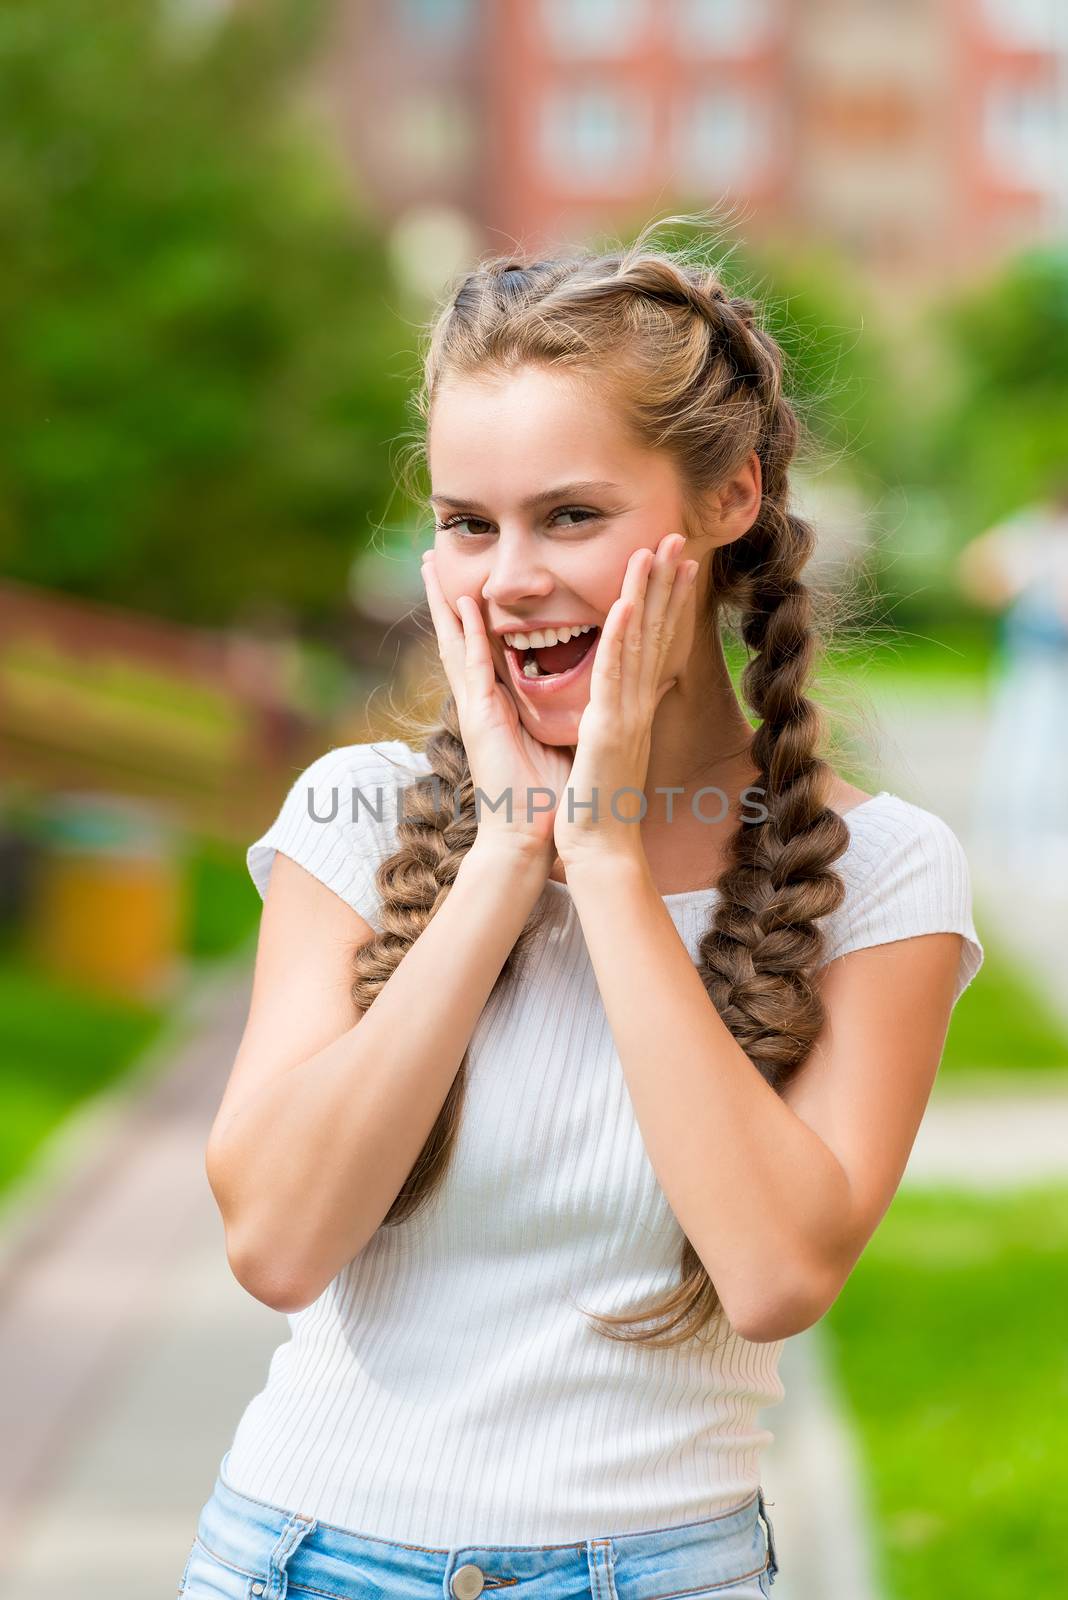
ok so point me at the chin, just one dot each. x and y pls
(557, 729)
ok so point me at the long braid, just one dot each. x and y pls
(759, 956)
(436, 827)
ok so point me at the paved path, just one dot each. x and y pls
(931, 747)
(127, 1347)
(129, 1351)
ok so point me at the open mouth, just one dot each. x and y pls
(553, 664)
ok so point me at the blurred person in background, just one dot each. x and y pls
(1020, 803)
(547, 1131)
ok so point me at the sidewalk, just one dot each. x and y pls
(127, 1347)
(930, 747)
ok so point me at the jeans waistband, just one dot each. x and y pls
(275, 1546)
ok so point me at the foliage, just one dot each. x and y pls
(224, 908)
(198, 347)
(59, 1046)
(998, 432)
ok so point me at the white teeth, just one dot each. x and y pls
(547, 636)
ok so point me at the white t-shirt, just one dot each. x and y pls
(446, 1388)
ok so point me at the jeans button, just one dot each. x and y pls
(258, 1588)
(467, 1582)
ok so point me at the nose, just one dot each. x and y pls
(514, 575)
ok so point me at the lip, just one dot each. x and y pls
(559, 683)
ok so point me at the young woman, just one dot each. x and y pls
(549, 1125)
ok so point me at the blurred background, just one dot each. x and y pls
(224, 224)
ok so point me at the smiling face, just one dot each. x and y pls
(541, 498)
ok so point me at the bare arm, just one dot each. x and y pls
(778, 1193)
(327, 1108)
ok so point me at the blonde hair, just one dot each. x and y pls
(693, 373)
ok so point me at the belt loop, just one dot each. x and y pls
(600, 1554)
(297, 1528)
(773, 1564)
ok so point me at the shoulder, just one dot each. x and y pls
(385, 760)
(886, 832)
(905, 873)
(338, 819)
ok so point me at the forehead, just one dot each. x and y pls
(517, 431)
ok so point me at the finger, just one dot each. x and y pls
(606, 678)
(658, 624)
(682, 592)
(480, 676)
(446, 622)
(452, 645)
(659, 647)
(635, 585)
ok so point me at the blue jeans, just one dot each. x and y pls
(246, 1548)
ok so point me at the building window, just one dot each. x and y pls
(1028, 24)
(436, 23)
(724, 27)
(595, 138)
(594, 27)
(721, 136)
(1023, 135)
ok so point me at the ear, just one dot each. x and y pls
(741, 494)
(735, 504)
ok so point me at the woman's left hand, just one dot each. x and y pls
(627, 686)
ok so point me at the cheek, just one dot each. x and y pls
(598, 582)
(608, 575)
(459, 577)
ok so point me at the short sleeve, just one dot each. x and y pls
(905, 873)
(339, 821)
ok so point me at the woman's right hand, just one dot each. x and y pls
(505, 759)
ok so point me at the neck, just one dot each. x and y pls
(701, 738)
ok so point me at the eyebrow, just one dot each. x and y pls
(565, 491)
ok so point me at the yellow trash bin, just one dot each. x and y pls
(106, 907)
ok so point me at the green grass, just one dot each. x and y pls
(224, 907)
(925, 654)
(951, 1355)
(920, 654)
(58, 1047)
(1002, 1024)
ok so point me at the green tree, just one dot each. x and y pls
(200, 355)
(998, 432)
